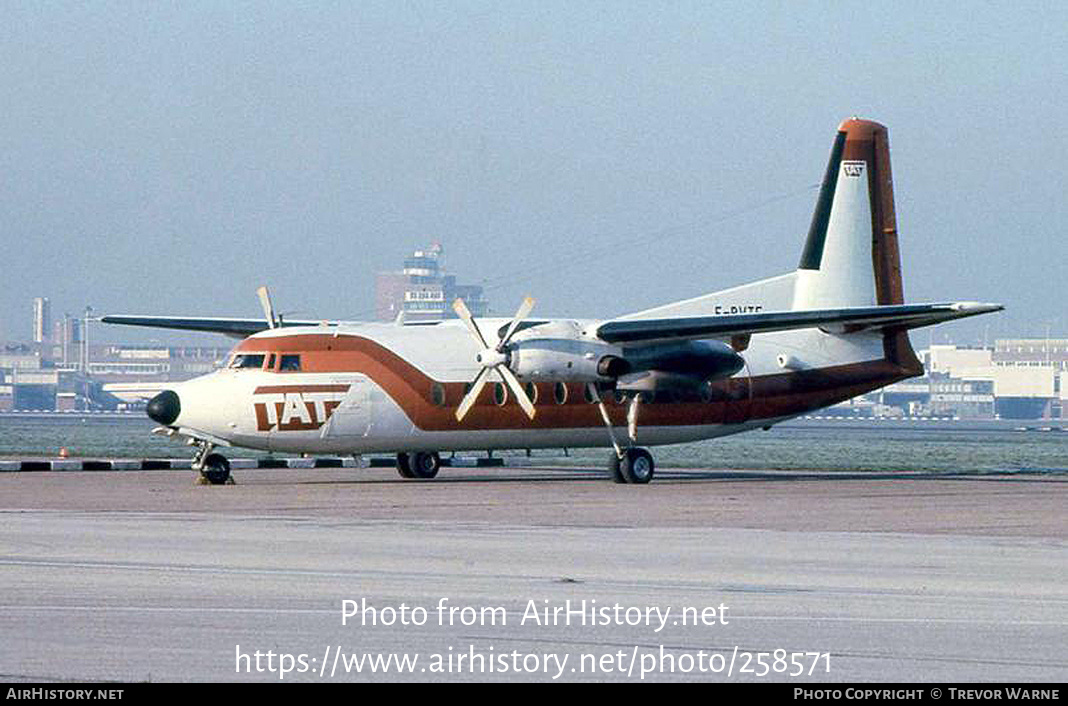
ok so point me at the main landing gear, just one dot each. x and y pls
(419, 464)
(627, 464)
(635, 466)
(214, 468)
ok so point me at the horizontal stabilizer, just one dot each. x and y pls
(237, 328)
(904, 316)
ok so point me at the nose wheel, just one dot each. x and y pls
(214, 468)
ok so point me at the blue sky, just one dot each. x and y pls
(602, 157)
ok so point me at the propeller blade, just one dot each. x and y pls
(268, 308)
(472, 394)
(522, 313)
(517, 389)
(488, 360)
(462, 311)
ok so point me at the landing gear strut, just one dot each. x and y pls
(214, 468)
(420, 464)
(627, 464)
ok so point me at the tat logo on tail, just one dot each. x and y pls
(853, 169)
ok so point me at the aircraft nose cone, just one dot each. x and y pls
(164, 407)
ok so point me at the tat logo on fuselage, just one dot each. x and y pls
(295, 407)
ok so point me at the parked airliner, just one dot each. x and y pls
(737, 359)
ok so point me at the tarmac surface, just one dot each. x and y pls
(146, 576)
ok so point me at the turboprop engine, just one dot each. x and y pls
(561, 353)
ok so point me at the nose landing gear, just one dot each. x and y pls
(214, 468)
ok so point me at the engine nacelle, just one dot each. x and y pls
(702, 360)
(562, 353)
(565, 361)
(683, 368)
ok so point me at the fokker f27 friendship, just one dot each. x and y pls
(734, 360)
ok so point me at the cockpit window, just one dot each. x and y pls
(290, 363)
(247, 360)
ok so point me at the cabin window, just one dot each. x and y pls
(290, 363)
(437, 394)
(248, 360)
(532, 392)
(560, 393)
(270, 362)
(500, 394)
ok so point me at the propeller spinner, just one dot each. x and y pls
(494, 358)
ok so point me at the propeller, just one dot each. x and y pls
(495, 359)
(268, 308)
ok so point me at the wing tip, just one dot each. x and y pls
(977, 307)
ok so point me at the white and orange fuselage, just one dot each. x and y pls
(387, 388)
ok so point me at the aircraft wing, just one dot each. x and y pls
(135, 391)
(237, 328)
(905, 316)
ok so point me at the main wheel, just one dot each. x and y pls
(637, 466)
(425, 464)
(404, 465)
(216, 469)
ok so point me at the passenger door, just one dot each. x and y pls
(351, 418)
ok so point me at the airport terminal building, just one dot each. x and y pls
(33, 379)
(1017, 378)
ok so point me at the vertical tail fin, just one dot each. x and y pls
(851, 255)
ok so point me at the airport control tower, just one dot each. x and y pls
(423, 291)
